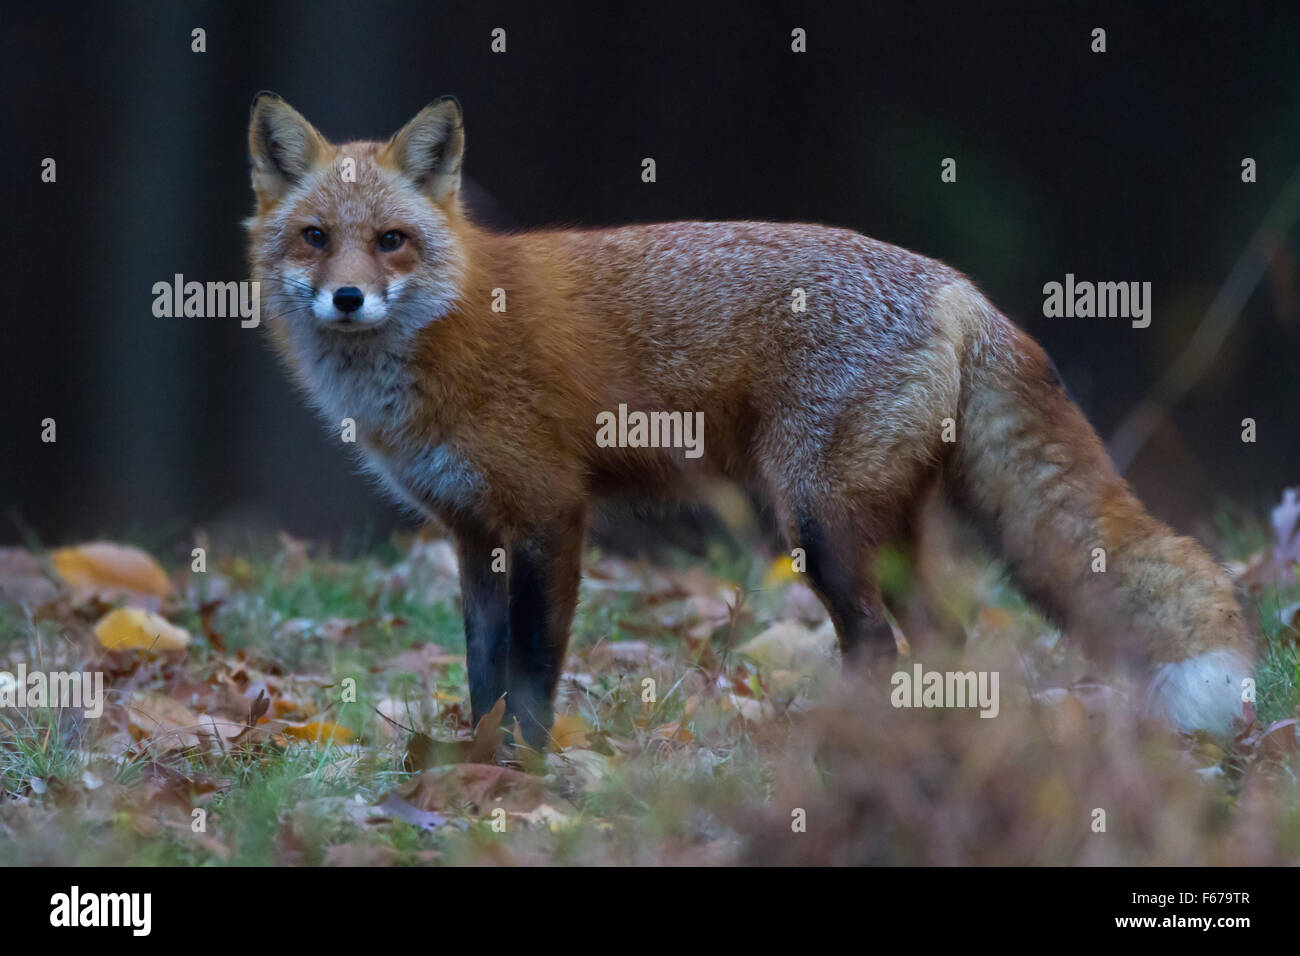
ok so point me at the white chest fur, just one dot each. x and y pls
(427, 479)
(365, 379)
(370, 383)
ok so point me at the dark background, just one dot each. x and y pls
(1120, 166)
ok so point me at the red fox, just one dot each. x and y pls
(485, 372)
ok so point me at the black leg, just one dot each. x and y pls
(545, 569)
(484, 596)
(839, 569)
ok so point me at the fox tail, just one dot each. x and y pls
(1029, 469)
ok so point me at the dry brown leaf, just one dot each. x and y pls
(223, 728)
(675, 730)
(162, 721)
(477, 789)
(423, 751)
(423, 659)
(488, 733)
(22, 580)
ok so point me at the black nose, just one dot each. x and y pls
(348, 298)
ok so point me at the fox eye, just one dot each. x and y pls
(315, 237)
(391, 240)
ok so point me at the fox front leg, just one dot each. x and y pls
(485, 601)
(545, 568)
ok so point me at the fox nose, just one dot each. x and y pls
(348, 298)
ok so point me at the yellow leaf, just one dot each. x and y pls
(569, 730)
(103, 565)
(780, 571)
(133, 628)
(321, 732)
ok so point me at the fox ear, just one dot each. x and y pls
(429, 149)
(283, 147)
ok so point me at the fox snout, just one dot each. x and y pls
(350, 307)
(348, 298)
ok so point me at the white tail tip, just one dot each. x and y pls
(1204, 692)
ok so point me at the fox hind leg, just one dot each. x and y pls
(913, 585)
(839, 563)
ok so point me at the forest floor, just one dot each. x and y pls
(284, 706)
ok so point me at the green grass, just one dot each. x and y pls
(79, 791)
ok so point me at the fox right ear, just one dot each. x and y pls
(282, 145)
(429, 148)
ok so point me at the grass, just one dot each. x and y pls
(713, 769)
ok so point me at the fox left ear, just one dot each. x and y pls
(283, 147)
(429, 149)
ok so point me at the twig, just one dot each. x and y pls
(1134, 432)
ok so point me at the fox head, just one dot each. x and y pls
(356, 239)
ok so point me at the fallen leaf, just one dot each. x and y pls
(422, 659)
(569, 731)
(22, 580)
(675, 730)
(103, 566)
(395, 805)
(396, 717)
(423, 751)
(133, 628)
(640, 654)
(790, 646)
(220, 727)
(802, 605)
(488, 733)
(477, 789)
(321, 732)
(588, 769)
(543, 815)
(1279, 738)
(752, 710)
(163, 722)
